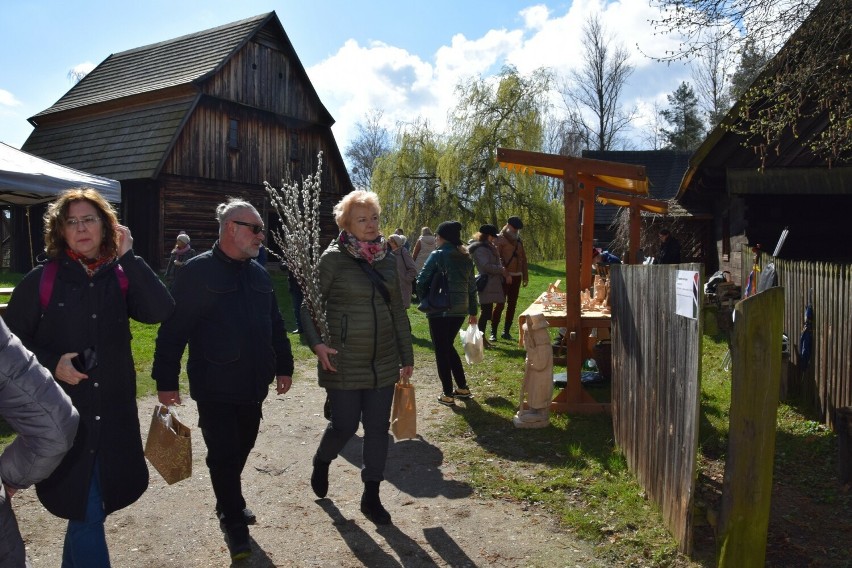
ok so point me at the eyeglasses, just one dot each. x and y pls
(87, 221)
(254, 228)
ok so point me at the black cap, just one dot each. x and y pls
(488, 230)
(450, 231)
(516, 222)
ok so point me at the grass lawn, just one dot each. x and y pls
(572, 469)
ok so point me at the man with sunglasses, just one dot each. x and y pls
(228, 314)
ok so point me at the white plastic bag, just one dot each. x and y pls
(474, 344)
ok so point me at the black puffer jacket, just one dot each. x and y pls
(227, 311)
(85, 312)
(372, 338)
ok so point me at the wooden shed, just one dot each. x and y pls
(184, 123)
(753, 198)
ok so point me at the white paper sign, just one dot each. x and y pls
(686, 294)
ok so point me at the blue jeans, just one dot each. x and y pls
(85, 541)
(372, 408)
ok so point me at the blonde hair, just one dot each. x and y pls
(57, 214)
(425, 232)
(343, 210)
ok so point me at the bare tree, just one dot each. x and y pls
(597, 88)
(373, 141)
(810, 78)
(76, 75)
(652, 134)
(711, 73)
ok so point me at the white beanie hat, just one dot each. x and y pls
(184, 238)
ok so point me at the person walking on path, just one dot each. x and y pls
(422, 249)
(452, 257)
(487, 261)
(368, 349)
(405, 267)
(74, 313)
(178, 257)
(669, 249)
(514, 259)
(35, 407)
(226, 310)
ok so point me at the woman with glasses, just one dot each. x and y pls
(369, 348)
(73, 312)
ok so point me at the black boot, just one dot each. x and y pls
(319, 478)
(371, 506)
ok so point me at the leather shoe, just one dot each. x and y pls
(238, 542)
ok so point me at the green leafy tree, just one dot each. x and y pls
(687, 129)
(406, 179)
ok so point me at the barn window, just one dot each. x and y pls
(234, 134)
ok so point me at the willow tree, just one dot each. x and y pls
(504, 111)
(406, 180)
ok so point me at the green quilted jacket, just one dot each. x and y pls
(462, 284)
(372, 337)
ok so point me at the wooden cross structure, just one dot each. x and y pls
(624, 185)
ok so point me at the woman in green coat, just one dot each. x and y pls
(369, 345)
(451, 256)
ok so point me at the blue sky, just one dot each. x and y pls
(401, 56)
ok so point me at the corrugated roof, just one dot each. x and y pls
(160, 65)
(128, 144)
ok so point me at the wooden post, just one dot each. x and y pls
(635, 233)
(587, 198)
(755, 376)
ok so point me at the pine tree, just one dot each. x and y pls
(687, 129)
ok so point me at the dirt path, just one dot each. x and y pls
(438, 521)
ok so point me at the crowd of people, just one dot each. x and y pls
(67, 351)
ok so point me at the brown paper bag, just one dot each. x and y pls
(169, 445)
(404, 411)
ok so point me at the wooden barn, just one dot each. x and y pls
(754, 198)
(184, 123)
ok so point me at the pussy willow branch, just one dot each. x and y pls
(299, 237)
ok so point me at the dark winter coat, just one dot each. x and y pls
(487, 261)
(460, 278)
(372, 337)
(669, 252)
(85, 312)
(227, 311)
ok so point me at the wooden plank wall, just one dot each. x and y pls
(755, 377)
(827, 381)
(656, 358)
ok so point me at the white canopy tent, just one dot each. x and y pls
(28, 180)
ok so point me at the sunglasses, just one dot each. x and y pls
(254, 228)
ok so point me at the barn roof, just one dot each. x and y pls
(122, 118)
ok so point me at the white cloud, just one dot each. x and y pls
(7, 99)
(359, 78)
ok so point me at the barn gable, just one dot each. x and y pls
(185, 122)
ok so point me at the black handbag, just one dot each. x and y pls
(481, 282)
(438, 297)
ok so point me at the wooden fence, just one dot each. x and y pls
(827, 378)
(656, 358)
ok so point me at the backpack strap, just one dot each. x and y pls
(45, 284)
(48, 278)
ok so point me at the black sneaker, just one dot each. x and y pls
(492, 337)
(506, 335)
(238, 542)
